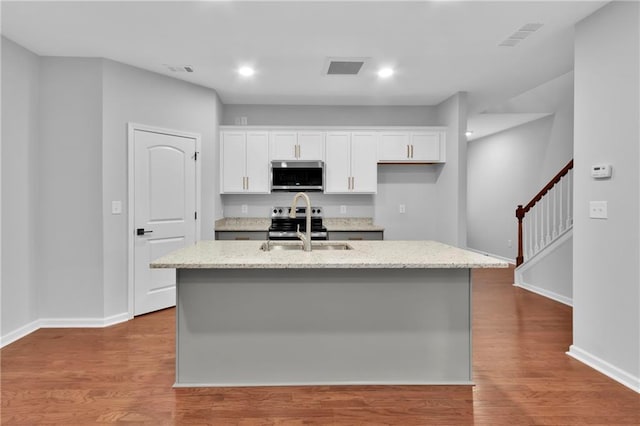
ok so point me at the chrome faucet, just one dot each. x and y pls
(306, 239)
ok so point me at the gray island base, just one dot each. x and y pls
(350, 317)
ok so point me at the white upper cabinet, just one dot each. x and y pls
(284, 145)
(244, 162)
(412, 147)
(351, 163)
(302, 145)
(311, 146)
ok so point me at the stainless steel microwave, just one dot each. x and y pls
(297, 176)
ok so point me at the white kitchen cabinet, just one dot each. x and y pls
(411, 147)
(351, 163)
(301, 145)
(244, 162)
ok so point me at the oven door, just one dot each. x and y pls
(293, 176)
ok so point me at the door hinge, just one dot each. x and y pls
(195, 215)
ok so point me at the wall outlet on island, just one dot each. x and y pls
(244, 208)
(343, 209)
(509, 243)
(402, 208)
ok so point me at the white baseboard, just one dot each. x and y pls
(62, 323)
(546, 293)
(19, 333)
(83, 322)
(605, 368)
(506, 259)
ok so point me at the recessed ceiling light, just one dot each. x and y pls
(246, 71)
(385, 72)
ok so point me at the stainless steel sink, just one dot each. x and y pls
(330, 246)
(278, 245)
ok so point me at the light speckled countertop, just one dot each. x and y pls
(331, 223)
(365, 254)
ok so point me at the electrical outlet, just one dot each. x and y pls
(116, 207)
(402, 208)
(245, 209)
(509, 243)
(243, 121)
(598, 210)
(343, 209)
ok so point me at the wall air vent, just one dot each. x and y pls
(343, 66)
(522, 33)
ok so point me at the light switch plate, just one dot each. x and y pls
(598, 210)
(116, 207)
(402, 208)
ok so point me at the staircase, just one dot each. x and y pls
(545, 239)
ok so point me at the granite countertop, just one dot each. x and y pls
(365, 254)
(242, 224)
(262, 224)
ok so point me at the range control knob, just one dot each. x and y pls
(275, 210)
(318, 211)
(279, 210)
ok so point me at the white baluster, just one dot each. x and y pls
(561, 224)
(548, 219)
(569, 199)
(535, 234)
(555, 210)
(542, 223)
(530, 233)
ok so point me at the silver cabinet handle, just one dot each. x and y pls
(247, 183)
(411, 151)
(353, 182)
(408, 152)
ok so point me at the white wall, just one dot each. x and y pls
(415, 186)
(20, 95)
(606, 293)
(331, 115)
(451, 201)
(134, 95)
(65, 257)
(509, 168)
(69, 218)
(550, 273)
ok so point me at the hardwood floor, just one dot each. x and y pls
(124, 373)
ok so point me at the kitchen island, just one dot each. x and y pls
(382, 312)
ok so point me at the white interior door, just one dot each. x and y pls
(164, 212)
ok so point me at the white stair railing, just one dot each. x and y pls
(547, 216)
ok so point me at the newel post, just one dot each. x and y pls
(520, 216)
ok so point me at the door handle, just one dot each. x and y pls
(141, 231)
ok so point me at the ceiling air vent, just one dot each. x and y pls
(522, 33)
(179, 68)
(343, 66)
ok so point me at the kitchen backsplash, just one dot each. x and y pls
(260, 205)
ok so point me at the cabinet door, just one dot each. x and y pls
(283, 145)
(393, 146)
(232, 162)
(338, 162)
(364, 162)
(425, 146)
(311, 146)
(257, 162)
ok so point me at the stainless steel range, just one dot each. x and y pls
(284, 228)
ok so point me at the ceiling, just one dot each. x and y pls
(436, 47)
